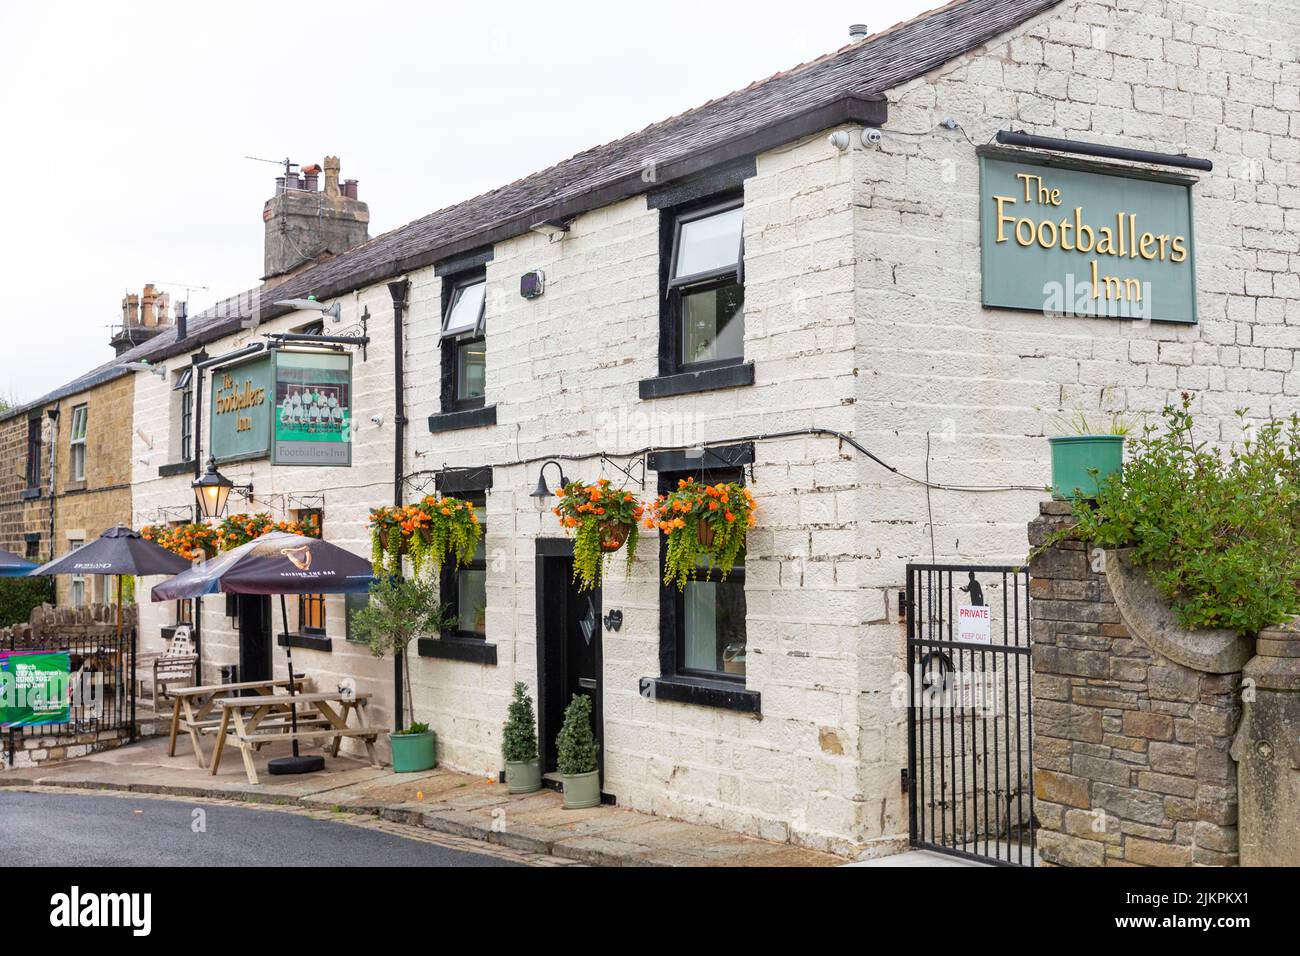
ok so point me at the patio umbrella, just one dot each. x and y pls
(276, 563)
(117, 551)
(12, 566)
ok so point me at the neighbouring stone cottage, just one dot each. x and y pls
(807, 286)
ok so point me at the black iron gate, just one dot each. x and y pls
(970, 768)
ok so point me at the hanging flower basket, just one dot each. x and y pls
(702, 522)
(428, 532)
(603, 520)
(191, 541)
(243, 528)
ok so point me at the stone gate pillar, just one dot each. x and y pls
(1133, 716)
(1267, 751)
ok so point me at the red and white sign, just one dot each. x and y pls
(974, 625)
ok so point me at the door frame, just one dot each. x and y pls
(551, 665)
(268, 627)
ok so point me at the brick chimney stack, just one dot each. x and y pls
(306, 225)
(143, 317)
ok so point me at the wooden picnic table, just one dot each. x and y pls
(319, 716)
(193, 708)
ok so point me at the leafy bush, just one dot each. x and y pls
(400, 611)
(519, 735)
(20, 596)
(576, 745)
(1218, 533)
(415, 728)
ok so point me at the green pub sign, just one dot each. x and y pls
(1076, 239)
(294, 406)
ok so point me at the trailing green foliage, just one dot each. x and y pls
(702, 523)
(576, 744)
(1218, 532)
(400, 610)
(603, 519)
(519, 735)
(19, 597)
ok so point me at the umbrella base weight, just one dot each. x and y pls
(303, 764)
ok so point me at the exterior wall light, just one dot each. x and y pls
(542, 491)
(212, 489)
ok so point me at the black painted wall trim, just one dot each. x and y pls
(465, 261)
(715, 456)
(686, 383)
(458, 649)
(175, 468)
(722, 179)
(470, 418)
(311, 642)
(458, 480)
(554, 547)
(720, 694)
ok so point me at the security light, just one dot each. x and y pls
(310, 304)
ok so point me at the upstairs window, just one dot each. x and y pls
(77, 441)
(706, 291)
(464, 351)
(34, 452)
(184, 389)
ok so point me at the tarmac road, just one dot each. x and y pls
(47, 829)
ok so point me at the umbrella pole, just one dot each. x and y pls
(288, 657)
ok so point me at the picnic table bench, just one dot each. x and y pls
(193, 707)
(319, 716)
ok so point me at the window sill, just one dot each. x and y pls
(27, 494)
(311, 642)
(705, 693)
(471, 650)
(705, 380)
(470, 418)
(175, 468)
(74, 486)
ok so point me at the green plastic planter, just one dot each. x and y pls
(412, 752)
(524, 776)
(581, 790)
(1075, 457)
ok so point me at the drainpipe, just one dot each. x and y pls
(196, 376)
(398, 291)
(53, 415)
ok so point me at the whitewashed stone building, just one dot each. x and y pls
(849, 191)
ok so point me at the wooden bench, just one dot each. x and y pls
(244, 719)
(192, 708)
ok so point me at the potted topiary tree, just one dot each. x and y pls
(576, 756)
(400, 610)
(519, 744)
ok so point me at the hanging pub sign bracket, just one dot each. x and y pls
(356, 336)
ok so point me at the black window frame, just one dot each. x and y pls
(448, 578)
(316, 598)
(450, 345)
(671, 331)
(34, 446)
(672, 602)
(185, 385)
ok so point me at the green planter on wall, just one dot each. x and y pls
(412, 752)
(1076, 457)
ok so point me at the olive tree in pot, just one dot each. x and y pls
(400, 610)
(519, 744)
(576, 755)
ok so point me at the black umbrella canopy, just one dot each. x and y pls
(117, 551)
(275, 563)
(12, 566)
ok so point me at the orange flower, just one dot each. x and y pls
(713, 506)
(729, 516)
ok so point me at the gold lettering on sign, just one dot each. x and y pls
(1123, 240)
(232, 398)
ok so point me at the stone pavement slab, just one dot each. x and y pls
(456, 804)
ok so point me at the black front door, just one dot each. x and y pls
(568, 646)
(254, 637)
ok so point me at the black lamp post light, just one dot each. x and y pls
(542, 491)
(212, 489)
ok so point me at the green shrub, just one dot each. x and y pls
(1218, 532)
(576, 744)
(519, 735)
(415, 728)
(20, 596)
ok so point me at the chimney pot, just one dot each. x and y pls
(350, 188)
(857, 31)
(182, 320)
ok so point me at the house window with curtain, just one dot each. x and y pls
(703, 625)
(705, 288)
(77, 443)
(464, 589)
(464, 342)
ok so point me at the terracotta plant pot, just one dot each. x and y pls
(613, 535)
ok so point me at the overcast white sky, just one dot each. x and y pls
(126, 125)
